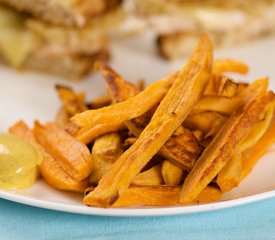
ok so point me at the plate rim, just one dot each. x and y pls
(135, 212)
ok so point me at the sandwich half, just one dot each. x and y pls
(178, 23)
(63, 12)
(27, 43)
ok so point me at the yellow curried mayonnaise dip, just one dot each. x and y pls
(18, 162)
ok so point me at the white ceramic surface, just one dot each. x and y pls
(32, 96)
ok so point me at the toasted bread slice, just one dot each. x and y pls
(175, 45)
(178, 23)
(71, 67)
(64, 12)
(29, 44)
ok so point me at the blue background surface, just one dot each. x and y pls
(253, 221)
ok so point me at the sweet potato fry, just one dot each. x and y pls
(22, 130)
(171, 173)
(220, 67)
(118, 88)
(89, 124)
(210, 194)
(182, 148)
(221, 105)
(99, 102)
(56, 177)
(129, 142)
(173, 109)
(140, 85)
(229, 65)
(230, 175)
(217, 153)
(242, 87)
(73, 156)
(251, 88)
(49, 168)
(212, 86)
(208, 122)
(62, 117)
(72, 102)
(253, 154)
(258, 131)
(161, 196)
(106, 150)
(149, 196)
(121, 90)
(150, 177)
(198, 134)
(227, 88)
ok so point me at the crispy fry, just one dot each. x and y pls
(99, 102)
(253, 154)
(148, 196)
(161, 196)
(207, 122)
(49, 167)
(206, 141)
(182, 148)
(55, 176)
(230, 175)
(242, 88)
(258, 131)
(150, 177)
(121, 90)
(129, 142)
(210, 194)
(88, 189)
(72, 102)
(251, 88)
(22, 130)
(73, 156)
(211, 88)
(198, 134)
(171, 173)
(173, 109)
(220, 67)
(227, 88)
(88, 125)
(229, 65)
(62, 117)
(136, 125)
(221, 105)
(140, 85)
(106, 150)
(118, 88)
(217, 153)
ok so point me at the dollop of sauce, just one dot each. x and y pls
(18, 162)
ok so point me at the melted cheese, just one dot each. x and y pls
(16, 41)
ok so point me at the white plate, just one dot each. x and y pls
(30, 96)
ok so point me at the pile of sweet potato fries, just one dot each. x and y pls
(184, 139)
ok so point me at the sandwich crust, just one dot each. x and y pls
(30, 44)
(179, 23)
(64, 12)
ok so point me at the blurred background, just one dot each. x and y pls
(65, 38)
